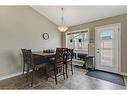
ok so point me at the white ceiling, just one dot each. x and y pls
(74, 15)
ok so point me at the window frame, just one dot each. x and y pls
(76, 31)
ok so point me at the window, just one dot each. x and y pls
(78, 41)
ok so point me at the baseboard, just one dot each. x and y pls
(10, 76)
(124, 74)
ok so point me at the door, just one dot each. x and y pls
(107, 40)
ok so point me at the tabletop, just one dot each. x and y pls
(43, 54)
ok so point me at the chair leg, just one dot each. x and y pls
(55, 74)
(32, 77)
(23, 68)
(25, 75)
(63, 72)
(55, 78)
(71, 68)
(66, 70)
(27, 72)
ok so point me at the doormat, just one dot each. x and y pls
(111, 77)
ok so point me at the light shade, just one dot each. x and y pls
(62, 28)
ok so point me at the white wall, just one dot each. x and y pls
(22, 27)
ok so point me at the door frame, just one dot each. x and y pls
(119, 44)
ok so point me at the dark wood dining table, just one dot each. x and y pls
(40, 53)
(42, 57)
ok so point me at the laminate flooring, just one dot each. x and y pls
(76, 81)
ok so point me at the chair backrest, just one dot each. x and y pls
(24, 55)
(61, 55)
(70, 54)
(29, 57)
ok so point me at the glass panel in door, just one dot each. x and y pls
(106, 48)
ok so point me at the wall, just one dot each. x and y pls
(116, 19)
(22, 27)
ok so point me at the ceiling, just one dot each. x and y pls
(75, 15)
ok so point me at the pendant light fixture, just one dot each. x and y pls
(62, 28)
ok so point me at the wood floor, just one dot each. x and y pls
(77, 81)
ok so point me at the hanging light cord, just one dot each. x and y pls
(62, 27)
(62, 15)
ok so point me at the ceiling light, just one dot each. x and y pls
(62, 28)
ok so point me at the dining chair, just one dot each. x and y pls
(69, 61)
(57, 63)
(33, 65)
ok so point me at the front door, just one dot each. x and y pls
(107, 40)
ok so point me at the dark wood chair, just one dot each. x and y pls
(33, 65)
(56, 64)
(69, 61)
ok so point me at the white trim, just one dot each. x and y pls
(119, 49)
(86, 29)
(124, 74)
(11, 75)
(109, 25)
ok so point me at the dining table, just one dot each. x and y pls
(41, 57)
(41, 53)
